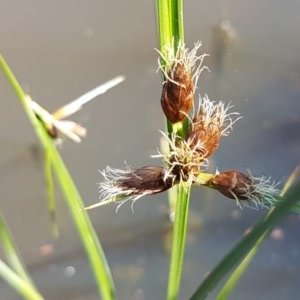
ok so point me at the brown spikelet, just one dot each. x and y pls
(260, 191)
(181, 70)
(148, 179)
(232, 184)
(178, 94)
(210, 123)
(208, 133)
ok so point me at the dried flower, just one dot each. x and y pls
(210, 123)
(52, 125)
(181, 72)
(260, 191)
(53, 122)
(131, 184)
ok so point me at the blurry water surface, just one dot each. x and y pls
(61, 49)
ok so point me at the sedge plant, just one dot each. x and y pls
(193, 134)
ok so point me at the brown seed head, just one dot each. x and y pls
(181, 71)
(178, 94)
(210, 123)
(260, 191)
(232, 184)
(145, 180)
(131, 184)
(209, 133)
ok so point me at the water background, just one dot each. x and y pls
(60, 49)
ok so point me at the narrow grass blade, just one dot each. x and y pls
(241, 268)
(86, 231)
(50, 194)
(11, 252)
(25, 289)
(246, 244)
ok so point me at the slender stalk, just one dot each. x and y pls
(164, 21)
(179, 237)
(86, 231)
(177, 22)
(171, 32)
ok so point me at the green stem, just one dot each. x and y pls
(177, 22)
(164, 20)
(179, 236)
(171, 32)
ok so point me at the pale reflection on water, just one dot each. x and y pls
(60, 51)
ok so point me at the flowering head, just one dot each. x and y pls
(210, 123)
(260, 191)
(131, 184)
(181, 71)
(178, 95)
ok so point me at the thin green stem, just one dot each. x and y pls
(177, 22)
(164, 21)
(171, 32)
(179, 237)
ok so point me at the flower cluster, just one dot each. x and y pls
(185, 157)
